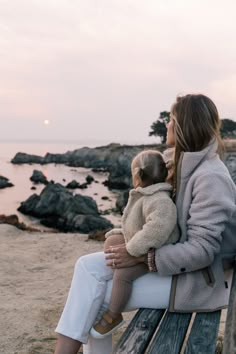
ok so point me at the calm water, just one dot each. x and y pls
(19, 175)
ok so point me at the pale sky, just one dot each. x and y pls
(104, 69)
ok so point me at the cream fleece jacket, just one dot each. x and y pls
(149, 219)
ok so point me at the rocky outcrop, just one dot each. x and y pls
(114, 158)
(122, 200)
(120, 175)
(22, 157)
(4, 182)
(38, 177)
(58, 208)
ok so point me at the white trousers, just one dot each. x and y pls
(89, 296)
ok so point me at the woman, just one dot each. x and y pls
(192, 275)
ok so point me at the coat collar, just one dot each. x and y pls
(191, 160)
(154, 188)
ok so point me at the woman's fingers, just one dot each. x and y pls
(118, 257)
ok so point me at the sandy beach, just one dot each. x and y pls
(35, 273)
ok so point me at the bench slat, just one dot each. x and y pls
(139, 332)
(230, 328)
(171, 334)
(204, 333)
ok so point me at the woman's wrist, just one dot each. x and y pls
(151, 263)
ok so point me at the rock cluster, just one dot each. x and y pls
(114, 158)
(58, 208)
(74, 184)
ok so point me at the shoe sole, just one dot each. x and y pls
(98, 335)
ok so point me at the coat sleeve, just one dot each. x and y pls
(213, 205)
(160, 220)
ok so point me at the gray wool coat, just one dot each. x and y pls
(201, 262)
(149, 219)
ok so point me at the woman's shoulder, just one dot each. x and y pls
(214, 174)
(212, 167)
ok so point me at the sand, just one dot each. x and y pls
(35, 275)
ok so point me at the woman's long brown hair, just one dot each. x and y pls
(196, 123)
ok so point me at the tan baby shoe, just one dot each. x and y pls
(101, 329)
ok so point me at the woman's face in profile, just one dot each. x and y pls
(170, 138)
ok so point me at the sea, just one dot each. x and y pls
(19, 175)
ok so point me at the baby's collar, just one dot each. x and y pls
(152, 189)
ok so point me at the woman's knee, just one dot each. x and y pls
(85, 262)
(95, 265)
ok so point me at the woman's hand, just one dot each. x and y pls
(118, 257)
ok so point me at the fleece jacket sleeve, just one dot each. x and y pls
(213, 204)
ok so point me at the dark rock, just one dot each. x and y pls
(105, 198)
(89, 179)
(58, 208)
(4, 183)
(122, 200)
(33, 188)
(63, 179)
(38, 177)
(21, 157)
(83, 186)
(73, 184)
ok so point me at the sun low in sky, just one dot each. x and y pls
(46, 122)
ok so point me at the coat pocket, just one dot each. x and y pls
(208, 276)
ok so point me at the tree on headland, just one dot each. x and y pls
(158, 128)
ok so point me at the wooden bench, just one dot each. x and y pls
(161, 332)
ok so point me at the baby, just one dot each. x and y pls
(149, 221)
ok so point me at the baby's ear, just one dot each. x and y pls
(135, 171)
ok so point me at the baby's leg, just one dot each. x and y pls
(113, 240)
(122, 286)
(121, 291)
